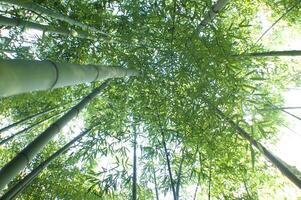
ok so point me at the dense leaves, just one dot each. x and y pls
(166, 104)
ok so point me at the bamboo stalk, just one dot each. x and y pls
(20, 76)
(17, 22)
(156, 185)
(216, 8)
(273, 53)
(281, 165)
(134, 186)
(179, 176)
(51, 13)
(169, 166)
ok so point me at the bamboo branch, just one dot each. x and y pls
(283, 15)
(29, 128)
(32, 117)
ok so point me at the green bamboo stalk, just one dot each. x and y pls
(209, 180)
(281, 165)
(26, 181)
(178, 184)
(283, 15)
(169, 167)
(167, 158)
(216, 8)
(20, 76)
(51, 13)
(12, 168)
(156, 185)
(17, 22)
(273, 53)
(280, 108)
(134, 186)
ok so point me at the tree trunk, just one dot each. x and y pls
(28, 128)
(12, 168)
(25, 182)
(134, 186)
(281, 165)
(217, 7)
(46, 11)
(273, 53)
(16, 22)
(19, 76)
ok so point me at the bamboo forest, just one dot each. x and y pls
(150, 99)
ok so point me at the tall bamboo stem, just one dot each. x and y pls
(20, 76)
(16, 22)
(134, 186)
(51, 13)
(274, 53)
(216, 8)
(276, 161)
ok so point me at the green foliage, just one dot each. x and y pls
(179, 70)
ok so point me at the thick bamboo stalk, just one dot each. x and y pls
(276, 161)
(51, 13)
(16, 22)
(216, 8)
(20, 76)
(25, 182)
(12, 168)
